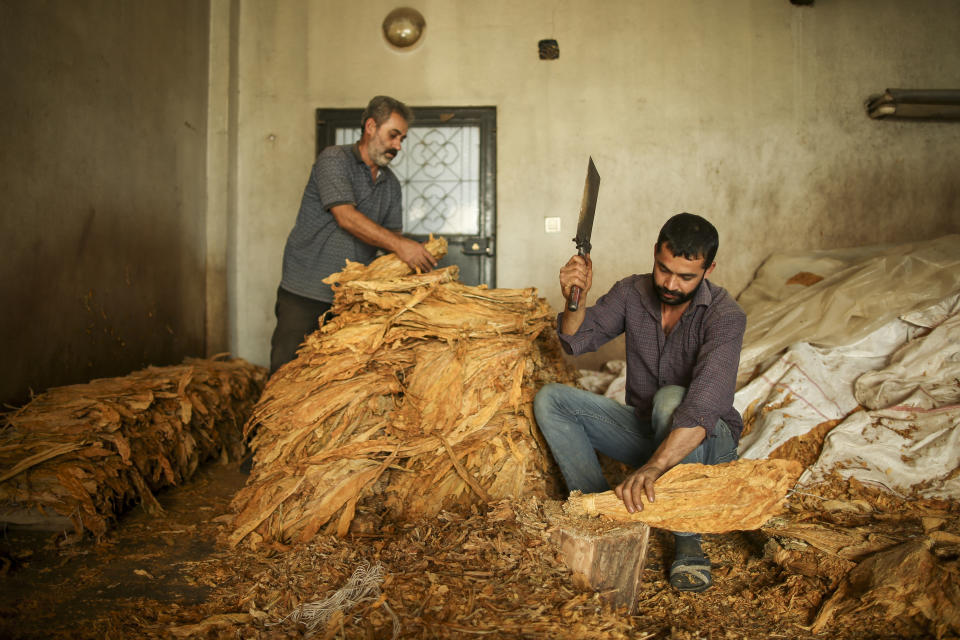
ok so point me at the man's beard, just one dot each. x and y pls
(381, 158)
(676, 298)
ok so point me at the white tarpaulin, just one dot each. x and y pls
(909, 439)
(809, 385)
(805, 387)
(909, 452)
(903, 371)
(875, 327)
(923, 373)
(861, 290)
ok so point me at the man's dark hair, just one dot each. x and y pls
(690, 236)
(380, 109)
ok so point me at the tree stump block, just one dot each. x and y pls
(610, 562)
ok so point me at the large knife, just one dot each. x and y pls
(588, 206)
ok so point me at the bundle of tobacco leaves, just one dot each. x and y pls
(736, 496)
(81, 454)
(414, 397)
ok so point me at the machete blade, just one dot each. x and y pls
(588, 207)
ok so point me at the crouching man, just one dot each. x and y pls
(683, 339)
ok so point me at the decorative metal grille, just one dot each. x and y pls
(439, 169)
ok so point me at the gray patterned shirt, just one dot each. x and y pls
(701, 353)
(317, 246)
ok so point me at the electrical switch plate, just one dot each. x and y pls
(551, 225)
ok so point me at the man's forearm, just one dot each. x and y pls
(365, 229)
(570, 321)
(676, 447)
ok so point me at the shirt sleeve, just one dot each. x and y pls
(332, 181)
(602, 322)
(715, 373)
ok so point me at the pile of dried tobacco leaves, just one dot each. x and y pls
(415, 397)
(81, 454)
(872, 553)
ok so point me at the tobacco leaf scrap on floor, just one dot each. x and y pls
(882, 556)
(493, 572)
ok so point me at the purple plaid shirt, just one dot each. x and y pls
(701, 353)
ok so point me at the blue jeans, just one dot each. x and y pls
(576, 422)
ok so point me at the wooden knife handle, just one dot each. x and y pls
(574, 303)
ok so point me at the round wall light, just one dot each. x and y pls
(403, 27)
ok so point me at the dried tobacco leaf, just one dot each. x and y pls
(736, 496)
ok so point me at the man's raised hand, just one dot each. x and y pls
(577, 272)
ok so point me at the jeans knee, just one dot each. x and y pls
(669, 397)
(724, 447)
(665, 402)
(545, 402)
(546, 396)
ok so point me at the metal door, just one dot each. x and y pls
(447, 170)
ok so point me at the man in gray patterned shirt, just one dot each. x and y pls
(683, 338)
(351, 207)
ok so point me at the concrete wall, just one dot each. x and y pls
(102, 188)
(154, 153)
(749, 112)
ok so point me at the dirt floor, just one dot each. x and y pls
(56, 585)
(487, 573)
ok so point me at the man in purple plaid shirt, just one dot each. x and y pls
(683, 337)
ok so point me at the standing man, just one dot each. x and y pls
(351, 207)
(683, 339)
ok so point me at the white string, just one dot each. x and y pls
(363, 586)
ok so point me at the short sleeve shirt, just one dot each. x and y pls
(317, 246)
(701, 353)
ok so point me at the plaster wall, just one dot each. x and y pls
(749, 112)
(102, 188)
